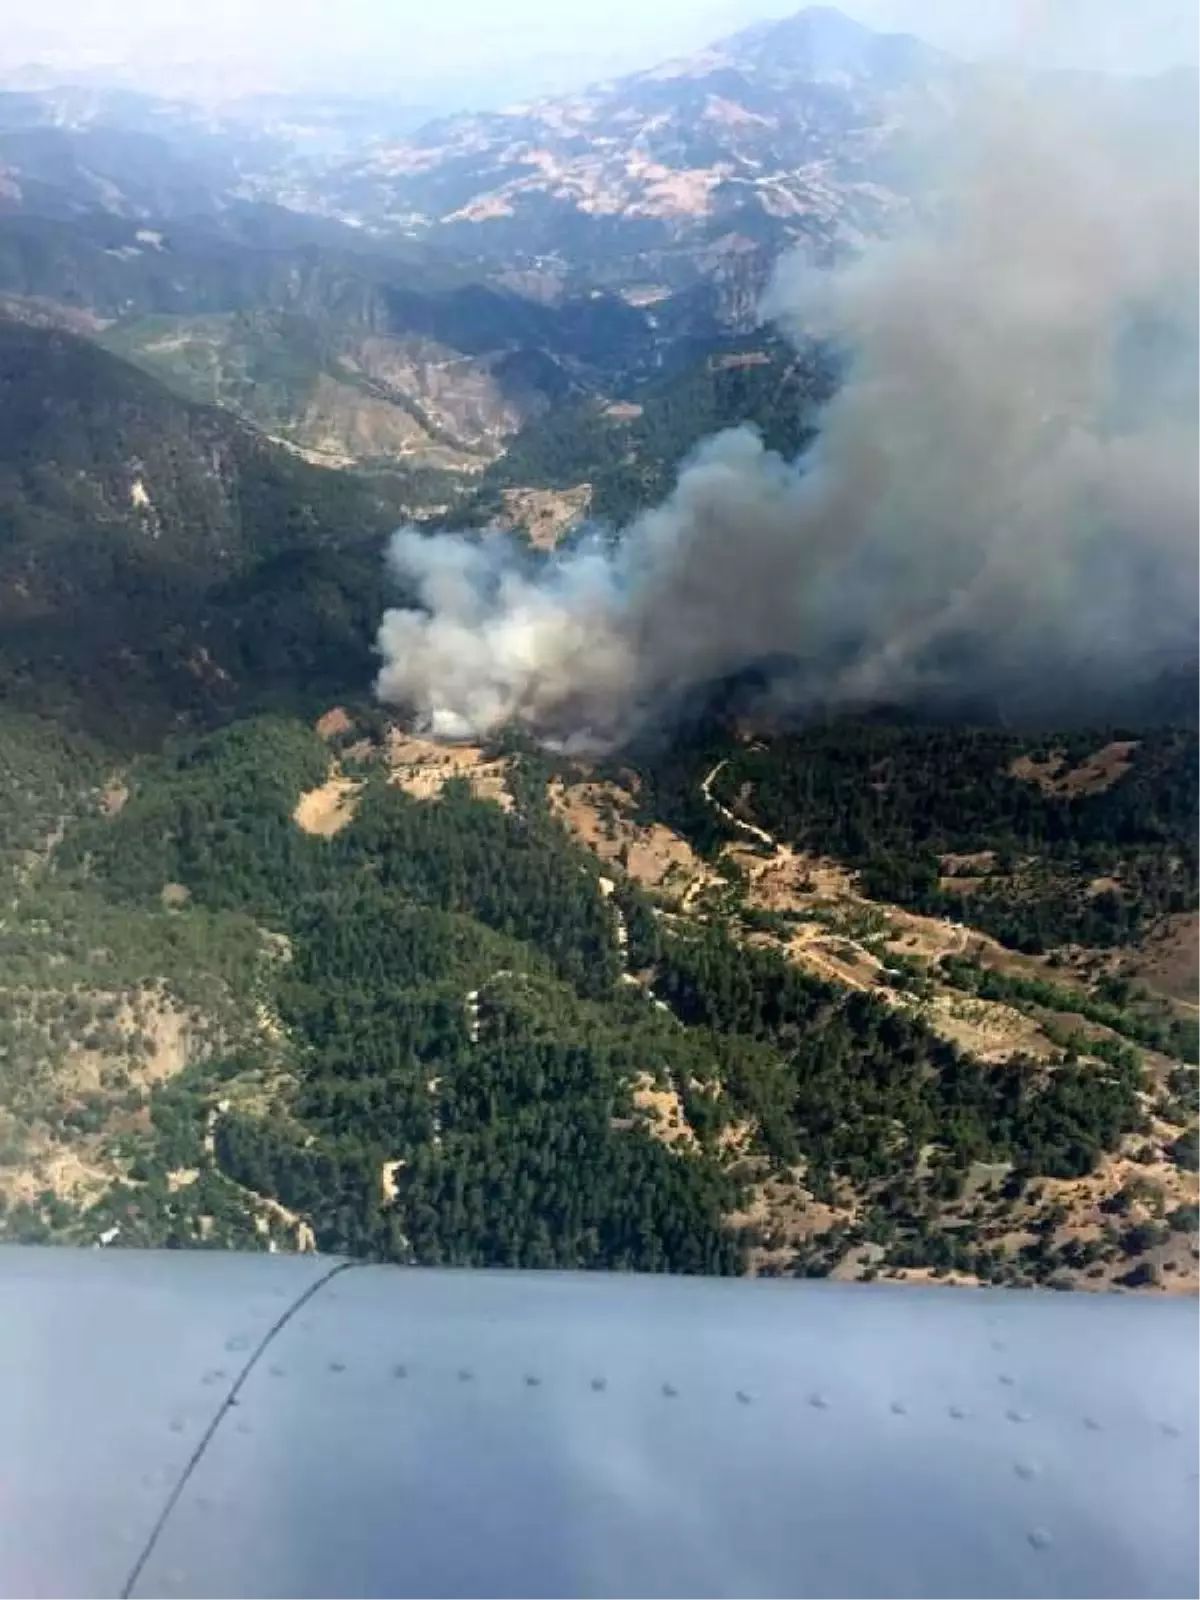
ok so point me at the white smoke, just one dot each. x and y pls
(1002, 499)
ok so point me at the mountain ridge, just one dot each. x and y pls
(158, 555)
(778, 133)
(344, 347)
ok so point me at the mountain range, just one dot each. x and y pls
(394, 298)
(353, 351)
(787, 131)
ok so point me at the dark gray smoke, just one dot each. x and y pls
(1002, 500)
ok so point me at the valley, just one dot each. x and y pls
(384, 296)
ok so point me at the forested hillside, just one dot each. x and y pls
(1086, 836)
(871, 996)
(158, 561)
(440, 1027)
(629, 451)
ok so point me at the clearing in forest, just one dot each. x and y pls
(1092, 775)
(327, 808)
(603, 817)
(423, 768)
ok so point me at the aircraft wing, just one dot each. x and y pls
(179, 1423)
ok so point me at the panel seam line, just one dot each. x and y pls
(222, 1411)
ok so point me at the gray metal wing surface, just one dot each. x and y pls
(211, 1424)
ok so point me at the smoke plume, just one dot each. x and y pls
(1002, 499)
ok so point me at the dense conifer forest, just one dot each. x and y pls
(433, 1036)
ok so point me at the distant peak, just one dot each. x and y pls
(822, 41)
(826, 18)
(824, 24)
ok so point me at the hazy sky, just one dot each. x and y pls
(493, 49)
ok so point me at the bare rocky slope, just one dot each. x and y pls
(700, 168)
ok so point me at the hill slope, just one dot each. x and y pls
(474, 1008)
(629, 452)
(788, 130)
(141, 535)
(360, 354)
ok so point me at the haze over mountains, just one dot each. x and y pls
(786, 130)
(801, 129)
(371, 292)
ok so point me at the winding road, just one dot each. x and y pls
(724, 812)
